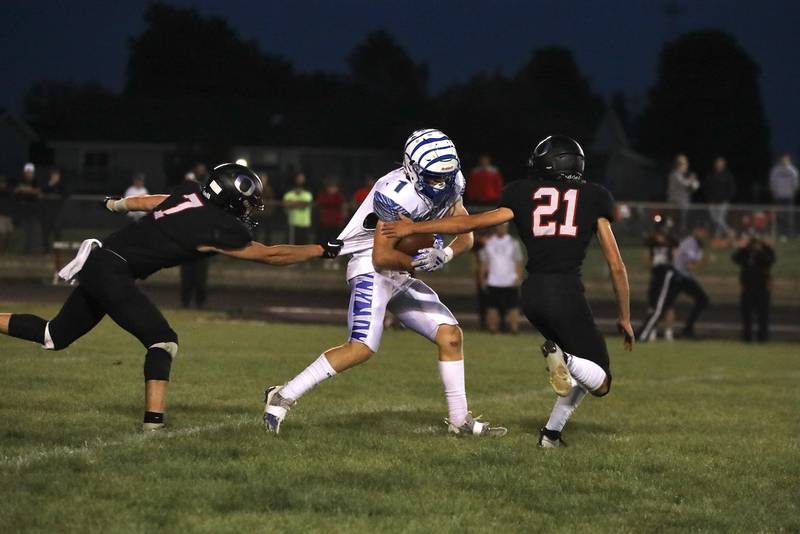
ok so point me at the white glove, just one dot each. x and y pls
(432, 259)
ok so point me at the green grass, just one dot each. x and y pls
(694, 437)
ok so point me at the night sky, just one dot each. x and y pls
(616, 43)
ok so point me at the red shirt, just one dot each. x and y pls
(361, 194)
(330, 209)
(484, 186)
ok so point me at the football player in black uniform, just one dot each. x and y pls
(661, 247)
(193, 222)
(556, 214)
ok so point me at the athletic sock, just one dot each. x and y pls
(455, 392)
(587, 373)
(314, 374)
(564, 408)
(153, 417)
(28, 327)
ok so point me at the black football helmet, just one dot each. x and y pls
(237, 190)
(557, 157)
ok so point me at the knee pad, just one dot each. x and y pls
(158, 361)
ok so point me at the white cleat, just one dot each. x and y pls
(152, 427)
(275, 408)
(560, 377)
(472, 426)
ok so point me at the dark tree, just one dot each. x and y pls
(193, 78)
(507, 117)
(706, 102)
(68, 110)
(388, 95)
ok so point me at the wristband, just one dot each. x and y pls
(120, 206)
(448, 254)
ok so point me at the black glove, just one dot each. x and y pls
(105, 201)
(331, 248)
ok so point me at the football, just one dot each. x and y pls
(412, 243)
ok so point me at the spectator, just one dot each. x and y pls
(194, 274)
(681, 184)
(361, 193)
(264, 228)
(688, 259)
(783, 183)
(330, 203)
(661, 246)
(6, 224)
(136, 189)
(54, 191)
(720, 187)
(755, 258)
(480, 290)
(485, 183)
(297, 202)
(501, 273)
(26, 195)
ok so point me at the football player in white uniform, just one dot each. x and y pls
(428, 186)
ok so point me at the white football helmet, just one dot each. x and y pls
(431, 163)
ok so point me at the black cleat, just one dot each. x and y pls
(550, 439)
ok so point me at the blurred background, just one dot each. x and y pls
(687, 111)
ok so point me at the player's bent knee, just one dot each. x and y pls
(158, 360)
(604, 389)
(449, 337)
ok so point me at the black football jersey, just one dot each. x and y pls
(171, 234)
(556, 220)
(661, 247)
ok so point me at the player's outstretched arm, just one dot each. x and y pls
(463, 241)
(619, 279)
(459, 224)
(142, 203)
(278, 254)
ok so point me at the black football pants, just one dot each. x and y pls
(108, 287)
(556, 305)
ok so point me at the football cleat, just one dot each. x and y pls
(550, 439)
(152, 427)
(275, 408)
(472, 426)
(560, 377)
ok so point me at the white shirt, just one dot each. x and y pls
(395, 194)
(689, 251)
(501, 255)
(134, 191)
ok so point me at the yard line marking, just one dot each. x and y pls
(99, 444)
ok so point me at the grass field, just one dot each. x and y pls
(694, 437)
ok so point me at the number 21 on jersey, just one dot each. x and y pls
(543, 224)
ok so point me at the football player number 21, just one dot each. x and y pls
(543, 225)
(192, 201)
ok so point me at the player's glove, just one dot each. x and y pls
(433, 258)
(115, 204)
(331, 248)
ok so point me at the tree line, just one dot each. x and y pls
(192, 79)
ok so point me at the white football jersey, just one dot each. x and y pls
(392, 195)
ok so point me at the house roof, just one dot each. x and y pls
(8, 117)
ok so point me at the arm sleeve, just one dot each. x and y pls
(231, 236)
(507, 199)
(387, 209)
(606, 205)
